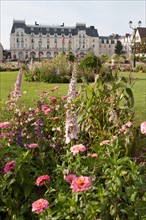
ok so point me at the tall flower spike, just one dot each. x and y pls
(17, 85)
(71, 127)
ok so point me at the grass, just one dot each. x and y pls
(138, 81)
(33, 89)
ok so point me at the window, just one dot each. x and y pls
(32, 40)
(32, 45)
(48, 35)
(102, 41)
(93, 46)
(40, 34)
(32, 34)
(47, 46)
(22, 34)
(93, 40)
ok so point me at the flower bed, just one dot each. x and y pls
(74, 157)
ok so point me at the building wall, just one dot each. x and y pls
(25, 42)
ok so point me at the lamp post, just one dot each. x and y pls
(134, 49)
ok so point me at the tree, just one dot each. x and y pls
(119, 48)
(140, 47)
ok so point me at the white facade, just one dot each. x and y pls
(35, 41)
(46, 41)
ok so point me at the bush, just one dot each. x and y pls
(98, 174)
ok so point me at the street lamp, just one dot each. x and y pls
(134, 49)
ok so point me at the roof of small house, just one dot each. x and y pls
(142, 32)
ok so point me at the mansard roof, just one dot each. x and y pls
(52, 29)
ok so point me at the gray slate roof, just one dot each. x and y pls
(59, 30)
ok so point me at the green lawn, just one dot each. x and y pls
(33, 89)
(139, 91)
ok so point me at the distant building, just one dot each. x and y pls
(1, 52)
(33, 41)
(126, 42)
(47, 41)
(107, 44)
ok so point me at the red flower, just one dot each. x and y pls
(41, 180)
(53, 99)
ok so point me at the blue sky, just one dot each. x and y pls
(107, 16)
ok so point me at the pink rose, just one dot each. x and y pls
(81, 183)
(143, 127)
(41, 180)
(39, 206)
(33, 146)
(70, 177)
(9, 166)
(77, 148)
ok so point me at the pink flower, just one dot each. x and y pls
(53, 99)
(33, 146)
(47, 111)
(39, 205)
(143, 127)
(64, 98)
(41, 180)
(2, 135)
(9, 134)
(81, 183)
(5, 124)
(104, 142)
(77, 148)
(44, 107)
(70, 177)
(9, 166)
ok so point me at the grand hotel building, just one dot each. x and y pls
(48, 41)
